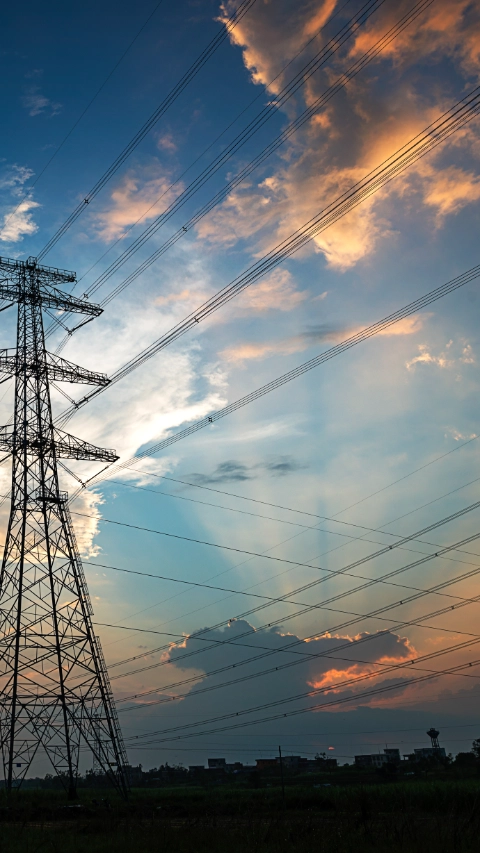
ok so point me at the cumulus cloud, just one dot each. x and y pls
(451, 356)
(20, 223)
(450, 190)
(17, 223)
(362, 127)
(140, 197)
(321, 668)
(269, 40)
(145, 406)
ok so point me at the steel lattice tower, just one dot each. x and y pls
(54, 688)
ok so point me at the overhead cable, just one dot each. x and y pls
(305, 527)
(417, 305)
(436, 133)
(353, 619)
(292, 646)
(300, 79)
(291, 128)
(171, 733)
(172, 96)
(28, 189)
(344, 569)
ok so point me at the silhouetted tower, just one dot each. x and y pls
(54, 689)
(433, 735)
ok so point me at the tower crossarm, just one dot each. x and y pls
(11, 267)
(58, 369)
(66, 446)
(49, 297)
(14, 274)
(70, 447)
(52, 297)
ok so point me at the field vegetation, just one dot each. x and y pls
(344, 813)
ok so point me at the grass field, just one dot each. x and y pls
(441, 816)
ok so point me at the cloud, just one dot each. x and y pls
(269, 36)
(185, 295)
(167, 143)
(275, 292)
(447, 29)
(86, 529)
(322, 667)
(14, 177)
(450, 191)
(140, 197)
(226, 472)
(18, 223)
(232, 471)
(445, 359)
(315, 334)
(37, 103)
(363, 126)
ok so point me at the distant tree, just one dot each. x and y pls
(476, 747)
(465, 759)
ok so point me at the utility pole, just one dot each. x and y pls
(55, 694)
(281, 775)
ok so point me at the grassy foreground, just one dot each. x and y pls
(423, 816)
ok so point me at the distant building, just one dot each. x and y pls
(378, 759)
(428, 752)
(266, 763)
(217, 763)
(321, 763)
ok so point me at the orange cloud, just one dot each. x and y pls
(276, 291)
(361, 128)
(141, 196)
(252, 351)
(269, 36)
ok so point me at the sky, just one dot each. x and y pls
(373, 446)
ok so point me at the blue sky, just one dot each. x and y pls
(321, 444)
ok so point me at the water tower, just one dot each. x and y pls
(433, 735)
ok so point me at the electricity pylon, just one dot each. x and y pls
(54, 689)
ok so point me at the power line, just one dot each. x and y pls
(394, 624)
(172, 96)
(300, 79)
(291, 592)
(83, 113)
(222, 133)
(184, 637)
(384, 550)
(314, 655)
(332, 352)
(290, 509)
(397, 625)
(171, 732)
(426, 141)
(275, 599)
(255, 500)
(305, 527)
(339, 596)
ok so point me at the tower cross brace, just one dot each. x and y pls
(55, 693)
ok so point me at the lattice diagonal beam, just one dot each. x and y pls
(55, 693)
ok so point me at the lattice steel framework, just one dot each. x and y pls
(54, 689)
